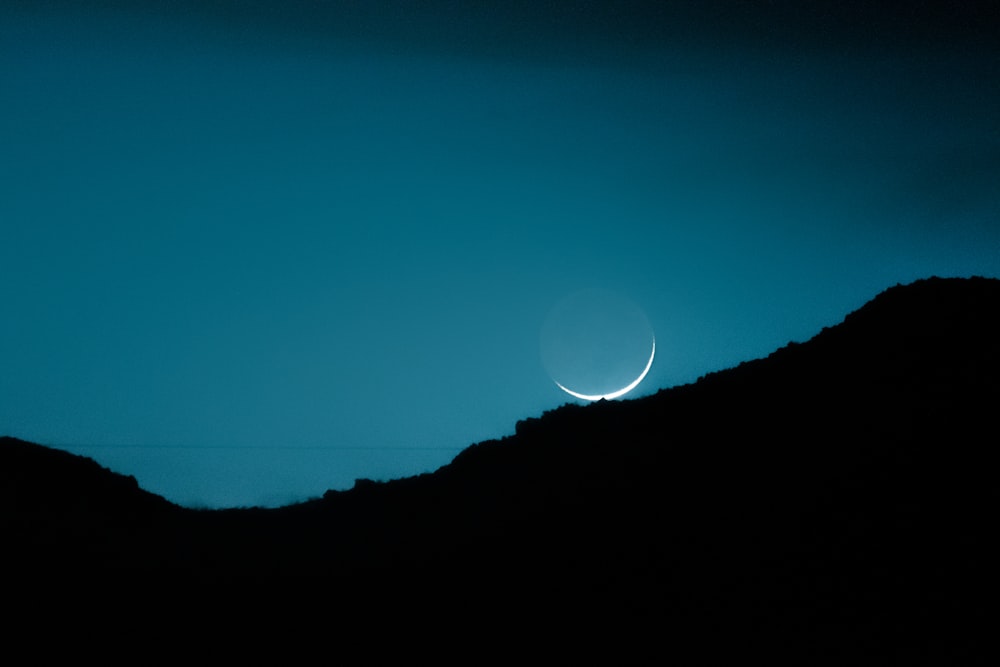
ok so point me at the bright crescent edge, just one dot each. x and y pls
(620, 392)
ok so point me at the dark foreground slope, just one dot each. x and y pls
(834, 499)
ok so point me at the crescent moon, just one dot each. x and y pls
(620, 392)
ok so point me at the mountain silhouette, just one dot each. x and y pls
(830, 501)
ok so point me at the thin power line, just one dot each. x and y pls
(272, 447)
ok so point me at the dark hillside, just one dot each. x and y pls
(832, 500)
(62, 511)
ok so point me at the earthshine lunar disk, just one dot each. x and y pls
(615, 394)
(596, 343)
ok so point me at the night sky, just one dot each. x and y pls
(251, 251)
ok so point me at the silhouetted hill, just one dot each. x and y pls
(58, 508)
(43, 478)
(829, 502)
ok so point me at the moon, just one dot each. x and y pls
(597, 344)
(615, 394)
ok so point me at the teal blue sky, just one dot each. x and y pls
(252, 251)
